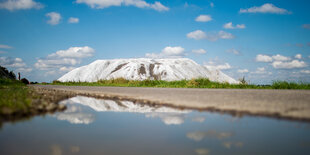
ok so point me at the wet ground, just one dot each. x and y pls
(97, 126)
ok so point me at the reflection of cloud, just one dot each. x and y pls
(56, 150)
(75, 114)
(228, 145)
(75, 149)
(199, 135)
(168, 118)
(198, 119)
(202, 151)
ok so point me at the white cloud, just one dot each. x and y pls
(11, 62)
(73, 20)
(20, 5)
(64, 60)
(266, 8)
(102, 4)
(279, 57)
(168, 52)
(66, 69)
(199, 35)
(261, 70)
(2, 52)
(74, 52)
(24, 69)
(211, 4)
(243, 71)
(159, 7)
(54, 18)
(306, 26)
(289, 65)
(230, 26)
(263, 58)
(17, 63)
(5, 47)
(305, 71)
(233, 51)
(298, 56)
(203, 18)
(199, 51)
(173, 50)
(212, 64)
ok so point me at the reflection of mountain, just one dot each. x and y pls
(76, 115)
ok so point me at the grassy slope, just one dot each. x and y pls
(194, 83)
(14, 96)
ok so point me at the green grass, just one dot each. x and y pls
(14, 96)
(194, 83)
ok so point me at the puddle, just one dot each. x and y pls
(96, 126)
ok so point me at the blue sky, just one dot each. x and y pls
(263, 40)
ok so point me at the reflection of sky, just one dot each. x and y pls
(77, 110)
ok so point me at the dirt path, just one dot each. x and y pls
(290, 104)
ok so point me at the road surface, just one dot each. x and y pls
(290, 104)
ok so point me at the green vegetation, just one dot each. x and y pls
(194, 83)
(14, 96)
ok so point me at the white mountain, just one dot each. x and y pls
(144, 68)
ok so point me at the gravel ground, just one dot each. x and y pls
(288, 104)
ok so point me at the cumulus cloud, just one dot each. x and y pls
(211, 4)
(199, 35)
(64, 60)
(54, 18)
(305, 71)
(212, 64)
(74, 52)
(266, 8)
(242, 71)
(11, 62)
(263, 58)
(306, 26)
(159, 7)
(102, 4)
(261, 70)
(298, 56)
(231, 26)
(5, 47)
(17, 63)
(73, 20)
(20, 5)
(168, 52)
(203, 18)
(289, 65)
(279, 57)
(199, 51)
(233, 51)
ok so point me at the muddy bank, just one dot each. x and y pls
(282, 104)
(43, 101)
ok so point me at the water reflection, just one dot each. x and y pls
(78, 110)
(200, 135)
(92, 126)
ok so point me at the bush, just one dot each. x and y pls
(25, 81)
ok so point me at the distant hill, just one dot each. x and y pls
(144, 68)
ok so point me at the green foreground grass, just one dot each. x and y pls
(194, 83)
(14, 96)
